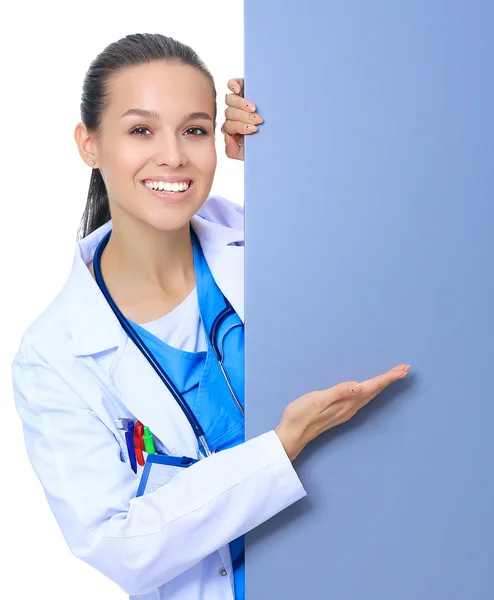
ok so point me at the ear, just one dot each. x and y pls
(86, 145)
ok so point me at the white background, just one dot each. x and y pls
(46, 49)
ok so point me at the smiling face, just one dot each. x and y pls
(158, 125)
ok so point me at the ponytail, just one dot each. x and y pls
(97, 211)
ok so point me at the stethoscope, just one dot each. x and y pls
(129, 330)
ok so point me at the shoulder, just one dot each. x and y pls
(222, 211)
(47, 333)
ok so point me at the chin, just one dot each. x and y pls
(172, 220)
(169, 214)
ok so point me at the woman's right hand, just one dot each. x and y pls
(316, 412)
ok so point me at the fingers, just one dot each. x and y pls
(236, 101)
(236, 114)
(369, 388)
(236, 85)
(240, 119)
(333, 406)
(233, 127)
(381, 381)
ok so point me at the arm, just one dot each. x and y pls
(91, 491)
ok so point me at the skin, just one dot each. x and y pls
(148, 263)
(241, 119)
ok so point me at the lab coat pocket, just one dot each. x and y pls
(160, 469)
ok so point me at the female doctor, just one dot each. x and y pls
(158, 272)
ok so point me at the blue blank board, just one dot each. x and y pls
(370, 242)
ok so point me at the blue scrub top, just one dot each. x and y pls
(199, 378)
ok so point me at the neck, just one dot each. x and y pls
(149, 257)
(148, 272)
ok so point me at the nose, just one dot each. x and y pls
(171, 153)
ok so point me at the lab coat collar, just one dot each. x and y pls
(94, 327)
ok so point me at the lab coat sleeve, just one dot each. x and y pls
(141, 543)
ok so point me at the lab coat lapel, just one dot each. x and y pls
(227, 268)
(141, 389)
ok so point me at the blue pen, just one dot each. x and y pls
(128, 426)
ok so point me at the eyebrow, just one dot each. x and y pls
(151, 114)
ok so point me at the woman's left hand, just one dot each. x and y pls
(240, 119)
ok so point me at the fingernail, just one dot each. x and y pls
(257, 118)
(405, 371)
(355, 388)
(251, 128)
(250, 107)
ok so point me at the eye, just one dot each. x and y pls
(203, 131)
(138, 129)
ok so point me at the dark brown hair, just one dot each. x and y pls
(130, 51)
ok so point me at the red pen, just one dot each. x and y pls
(139, 443)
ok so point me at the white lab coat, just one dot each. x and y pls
(76, 371)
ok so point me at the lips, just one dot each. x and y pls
(168, 178)
(169, 197)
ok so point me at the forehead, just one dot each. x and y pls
(168, 88)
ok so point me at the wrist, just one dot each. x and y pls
(290, 442)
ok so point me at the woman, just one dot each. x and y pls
(171, 261)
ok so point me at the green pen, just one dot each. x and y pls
(148, 441)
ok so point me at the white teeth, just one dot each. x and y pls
(181, 186)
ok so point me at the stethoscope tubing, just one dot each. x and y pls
(134, 336)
